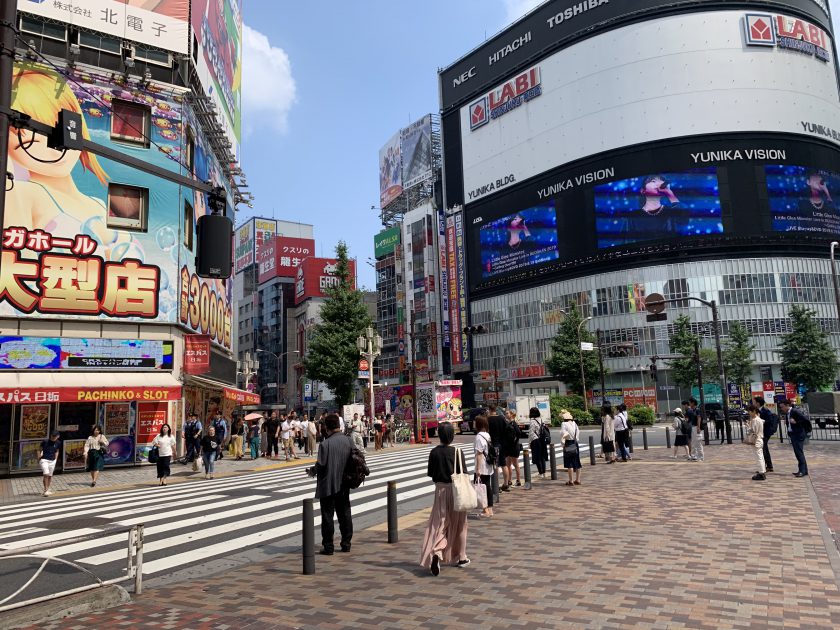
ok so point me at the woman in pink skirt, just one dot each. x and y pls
(446, 534)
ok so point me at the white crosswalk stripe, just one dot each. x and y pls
(198, 521)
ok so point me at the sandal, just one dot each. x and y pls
(569, 483)
(577, 483)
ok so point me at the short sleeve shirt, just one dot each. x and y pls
(50, 449)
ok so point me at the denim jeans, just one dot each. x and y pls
(209, 462)
(799, 451)
(255, 447)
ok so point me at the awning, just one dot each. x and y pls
(32, 386)
(234, 394)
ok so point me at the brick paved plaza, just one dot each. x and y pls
(655, 543)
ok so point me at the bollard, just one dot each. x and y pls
(138, 561)
(308, 537)
(644, 437)
(668, 437)
(552, 458)
(630, 440)
(526, 463)
(393, 529)
(741, 430)
(494, 484)
(706, 435)
(591, 450)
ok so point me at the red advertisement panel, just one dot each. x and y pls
(150, 418)
(316, 275)
(196, 354)
(289, 253)
(241, 397)
(11, 395)
(267, 261)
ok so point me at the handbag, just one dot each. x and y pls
(480, 494)
(570, 447)
(153, 455)
(464, 498)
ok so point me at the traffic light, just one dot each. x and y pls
(67, 134)
(474, 330)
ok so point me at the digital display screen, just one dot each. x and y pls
(802, 199)
(59, 353)
(658, 206)
(519, 240)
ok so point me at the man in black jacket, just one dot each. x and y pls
(333, 495)
(798, 428)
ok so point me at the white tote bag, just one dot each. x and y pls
(463, 495)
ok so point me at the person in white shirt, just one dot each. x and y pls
(357, 427)
(622, 433)
(285, 436)
(483, 469)
(166, 448)
(570, 438)
(304, 432)
(341, 423)
(295, 434)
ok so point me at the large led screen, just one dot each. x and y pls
(802, 199)
(519, 240)
(657, 206)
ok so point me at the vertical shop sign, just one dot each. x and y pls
(196, 354)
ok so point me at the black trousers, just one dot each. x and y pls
(538, 455)
(163, 466)
(768, 463)
(271, 445)
(336, 505)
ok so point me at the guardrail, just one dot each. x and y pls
(134, 570)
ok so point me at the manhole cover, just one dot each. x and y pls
(77, 523)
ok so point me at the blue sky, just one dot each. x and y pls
(326, 84)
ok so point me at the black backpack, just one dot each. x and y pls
(512, 432)
(545, 434)
(771, 425)
(492, 453)
(355, 470)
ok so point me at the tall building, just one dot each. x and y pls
(390, 309)
(103, 319)
(596, 153)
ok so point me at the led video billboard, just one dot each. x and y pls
(802, 199)
(519, 240)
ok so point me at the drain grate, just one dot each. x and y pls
(77, 523)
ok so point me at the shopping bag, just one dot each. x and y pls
(480, 494)
(463, 495)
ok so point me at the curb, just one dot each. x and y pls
(63, 607)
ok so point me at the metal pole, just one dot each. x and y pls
(494, 484)
(601, 368)
(724, 390)
(668, 437)
(552, 459)
(138, 564)
(308, 530)
(700, 380)
(7, 62)
(591, 451)
(393, 527)
(644, 437)
(582, 372)
(370, 380)
(526, 463)
(833, 245)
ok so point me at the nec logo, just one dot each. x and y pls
(759, 31)
(477, 220)
(469, 74)
(479, 114)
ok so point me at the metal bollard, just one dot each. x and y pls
(706, 435)
(644, 437)
(630, 440)
(526, 464)
(138, 561)
(393, 523)
(668, 437)
(308, 537)
(591, 450)
(741, 430)
(552, 459)
(494, 484)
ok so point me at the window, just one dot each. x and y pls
(153, 55)
(128, 206)
(189, 222)
(130, 122)
(100, 42)
(43, 29)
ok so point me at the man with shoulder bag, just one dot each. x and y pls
(799, 428)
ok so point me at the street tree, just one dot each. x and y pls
(564, 360)
(332, 356)
(807, 356)
(684, 370)
(738, 353)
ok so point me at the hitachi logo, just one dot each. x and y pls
(574, 11)
(516, 44)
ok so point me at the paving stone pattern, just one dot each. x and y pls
(655, 543)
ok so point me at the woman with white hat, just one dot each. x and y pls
(570, 437)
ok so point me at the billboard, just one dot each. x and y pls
(541, 118)
(802, 199)
(244, 244)
(519, 240)
(416, 151)
(457, 290)
(217, 32)
(658, 206)
(385, 242)
(289, 253)
(67, 250)
(159, 23)
(316, 275)
(264, 232)
(267, 261)
(390, 171)
(79, 353)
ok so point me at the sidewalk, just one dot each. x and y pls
(655, 543)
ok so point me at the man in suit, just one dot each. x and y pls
(333, 496)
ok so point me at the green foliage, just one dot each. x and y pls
(641, 415)
(594, 415)
(572, 403)
(684, 370)
(737, 354)
(333, 357)
(807, 355)
(564, 359)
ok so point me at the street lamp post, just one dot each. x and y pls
(582, 373)
(834, 278)
(277, 358)
(370, 347)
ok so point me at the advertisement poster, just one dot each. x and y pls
(402, 403)
(390, 171)
(448, 402)
(385, 242)
(68, 353)
(120, 450)
(217, 30)
(416, 151)
(519, 240)
(452, 289)
(658, 206)
(28, 455)
(34, 422)
(79, 259)
(196, 354)
(116, 419)
(243, 246)
(460, 304)
(264, 232)
(73, 454)
(803, 199)
(150, 418)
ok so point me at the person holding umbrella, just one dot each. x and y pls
(255, 429)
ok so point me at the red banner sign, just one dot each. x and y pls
(12, 395)
(241, 396)
(196, 354)
(150, 418)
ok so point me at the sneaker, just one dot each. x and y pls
(759, 477)
(48, 493)
(519, 484)
(462, 563)
(505, 488)
(435, 568)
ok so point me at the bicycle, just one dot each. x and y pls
(402, 433)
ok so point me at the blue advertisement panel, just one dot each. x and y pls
(802, 199)
(519, 240)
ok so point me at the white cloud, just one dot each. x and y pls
(515, 9)
(268, 87)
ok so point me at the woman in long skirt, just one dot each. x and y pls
(446, 533)
(94, 454)
(607, 433)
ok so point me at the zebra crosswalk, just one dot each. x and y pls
(191, 523)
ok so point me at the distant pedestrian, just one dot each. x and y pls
(512, 447)
(445, 540)
(238, 433)
(696, 420)
(377, 434)
(254, 437)
(535, 439)
(333, 495)
(47, 457)
(717, 418)
(799, 428)
(272, 435)
(166, 449)
(754, 437)
(386, 431)
(608, 433)
(192, 440)
(570, 437)
(94, 453)
(682, 432)
(357, 428)
(221, 427)
(496, 429)
(286, 439)
(771, 425)
(392, 430)
(304, 432)
(622, 433)
(311, 437)
(485, 465)
(209, 451)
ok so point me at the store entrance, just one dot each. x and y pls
(5, 438)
